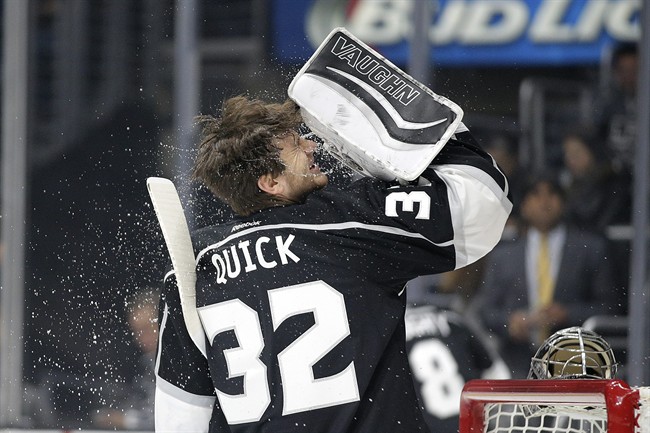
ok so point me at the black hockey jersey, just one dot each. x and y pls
(302, 305)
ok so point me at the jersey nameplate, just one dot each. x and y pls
(246, 256)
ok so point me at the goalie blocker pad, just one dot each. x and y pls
(373, 116)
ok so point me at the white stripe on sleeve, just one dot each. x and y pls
(178, 411)
(479, 210)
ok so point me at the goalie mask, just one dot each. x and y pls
(573, 353)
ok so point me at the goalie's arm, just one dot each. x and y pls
(478, 196)
(184, 398)
(453, 216)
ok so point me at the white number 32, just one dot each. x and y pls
(301, 390)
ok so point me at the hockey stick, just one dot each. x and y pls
(173, 224)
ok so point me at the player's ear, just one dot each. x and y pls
(270, 184)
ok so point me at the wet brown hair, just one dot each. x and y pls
(239, 147)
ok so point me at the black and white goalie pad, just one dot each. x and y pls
(372, 115)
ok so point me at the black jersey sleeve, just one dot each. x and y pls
(452, 216)
(182, 374)
(479, 196)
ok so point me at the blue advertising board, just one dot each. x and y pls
(464, 32)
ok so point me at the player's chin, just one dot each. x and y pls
(320, 180)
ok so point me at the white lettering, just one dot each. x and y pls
(427, 324)
(220, 266)
(590, 23)
(381, 21)
(250, 266)
(244, 225)
(341, 48)
(228, 263)
(260, 257)
(284, 251)
(495, 22)
(232, 273)
(619, 20)
(449, 23)
(550, 24)
(408, 200)
(392, 84)
(351, 56)
(367, 65)
(406, 94)
(379, 74)
(547, 25)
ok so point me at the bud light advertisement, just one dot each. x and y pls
(463, 32)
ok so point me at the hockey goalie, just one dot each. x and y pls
(290, 317)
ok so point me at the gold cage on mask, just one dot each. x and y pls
(573, 353)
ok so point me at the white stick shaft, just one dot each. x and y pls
(173, 224)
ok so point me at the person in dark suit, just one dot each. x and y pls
(553, 276)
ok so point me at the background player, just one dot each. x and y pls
(301, 296)
(444, 353)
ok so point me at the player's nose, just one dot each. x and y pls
(309, 146)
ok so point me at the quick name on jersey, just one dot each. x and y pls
(228, 261)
